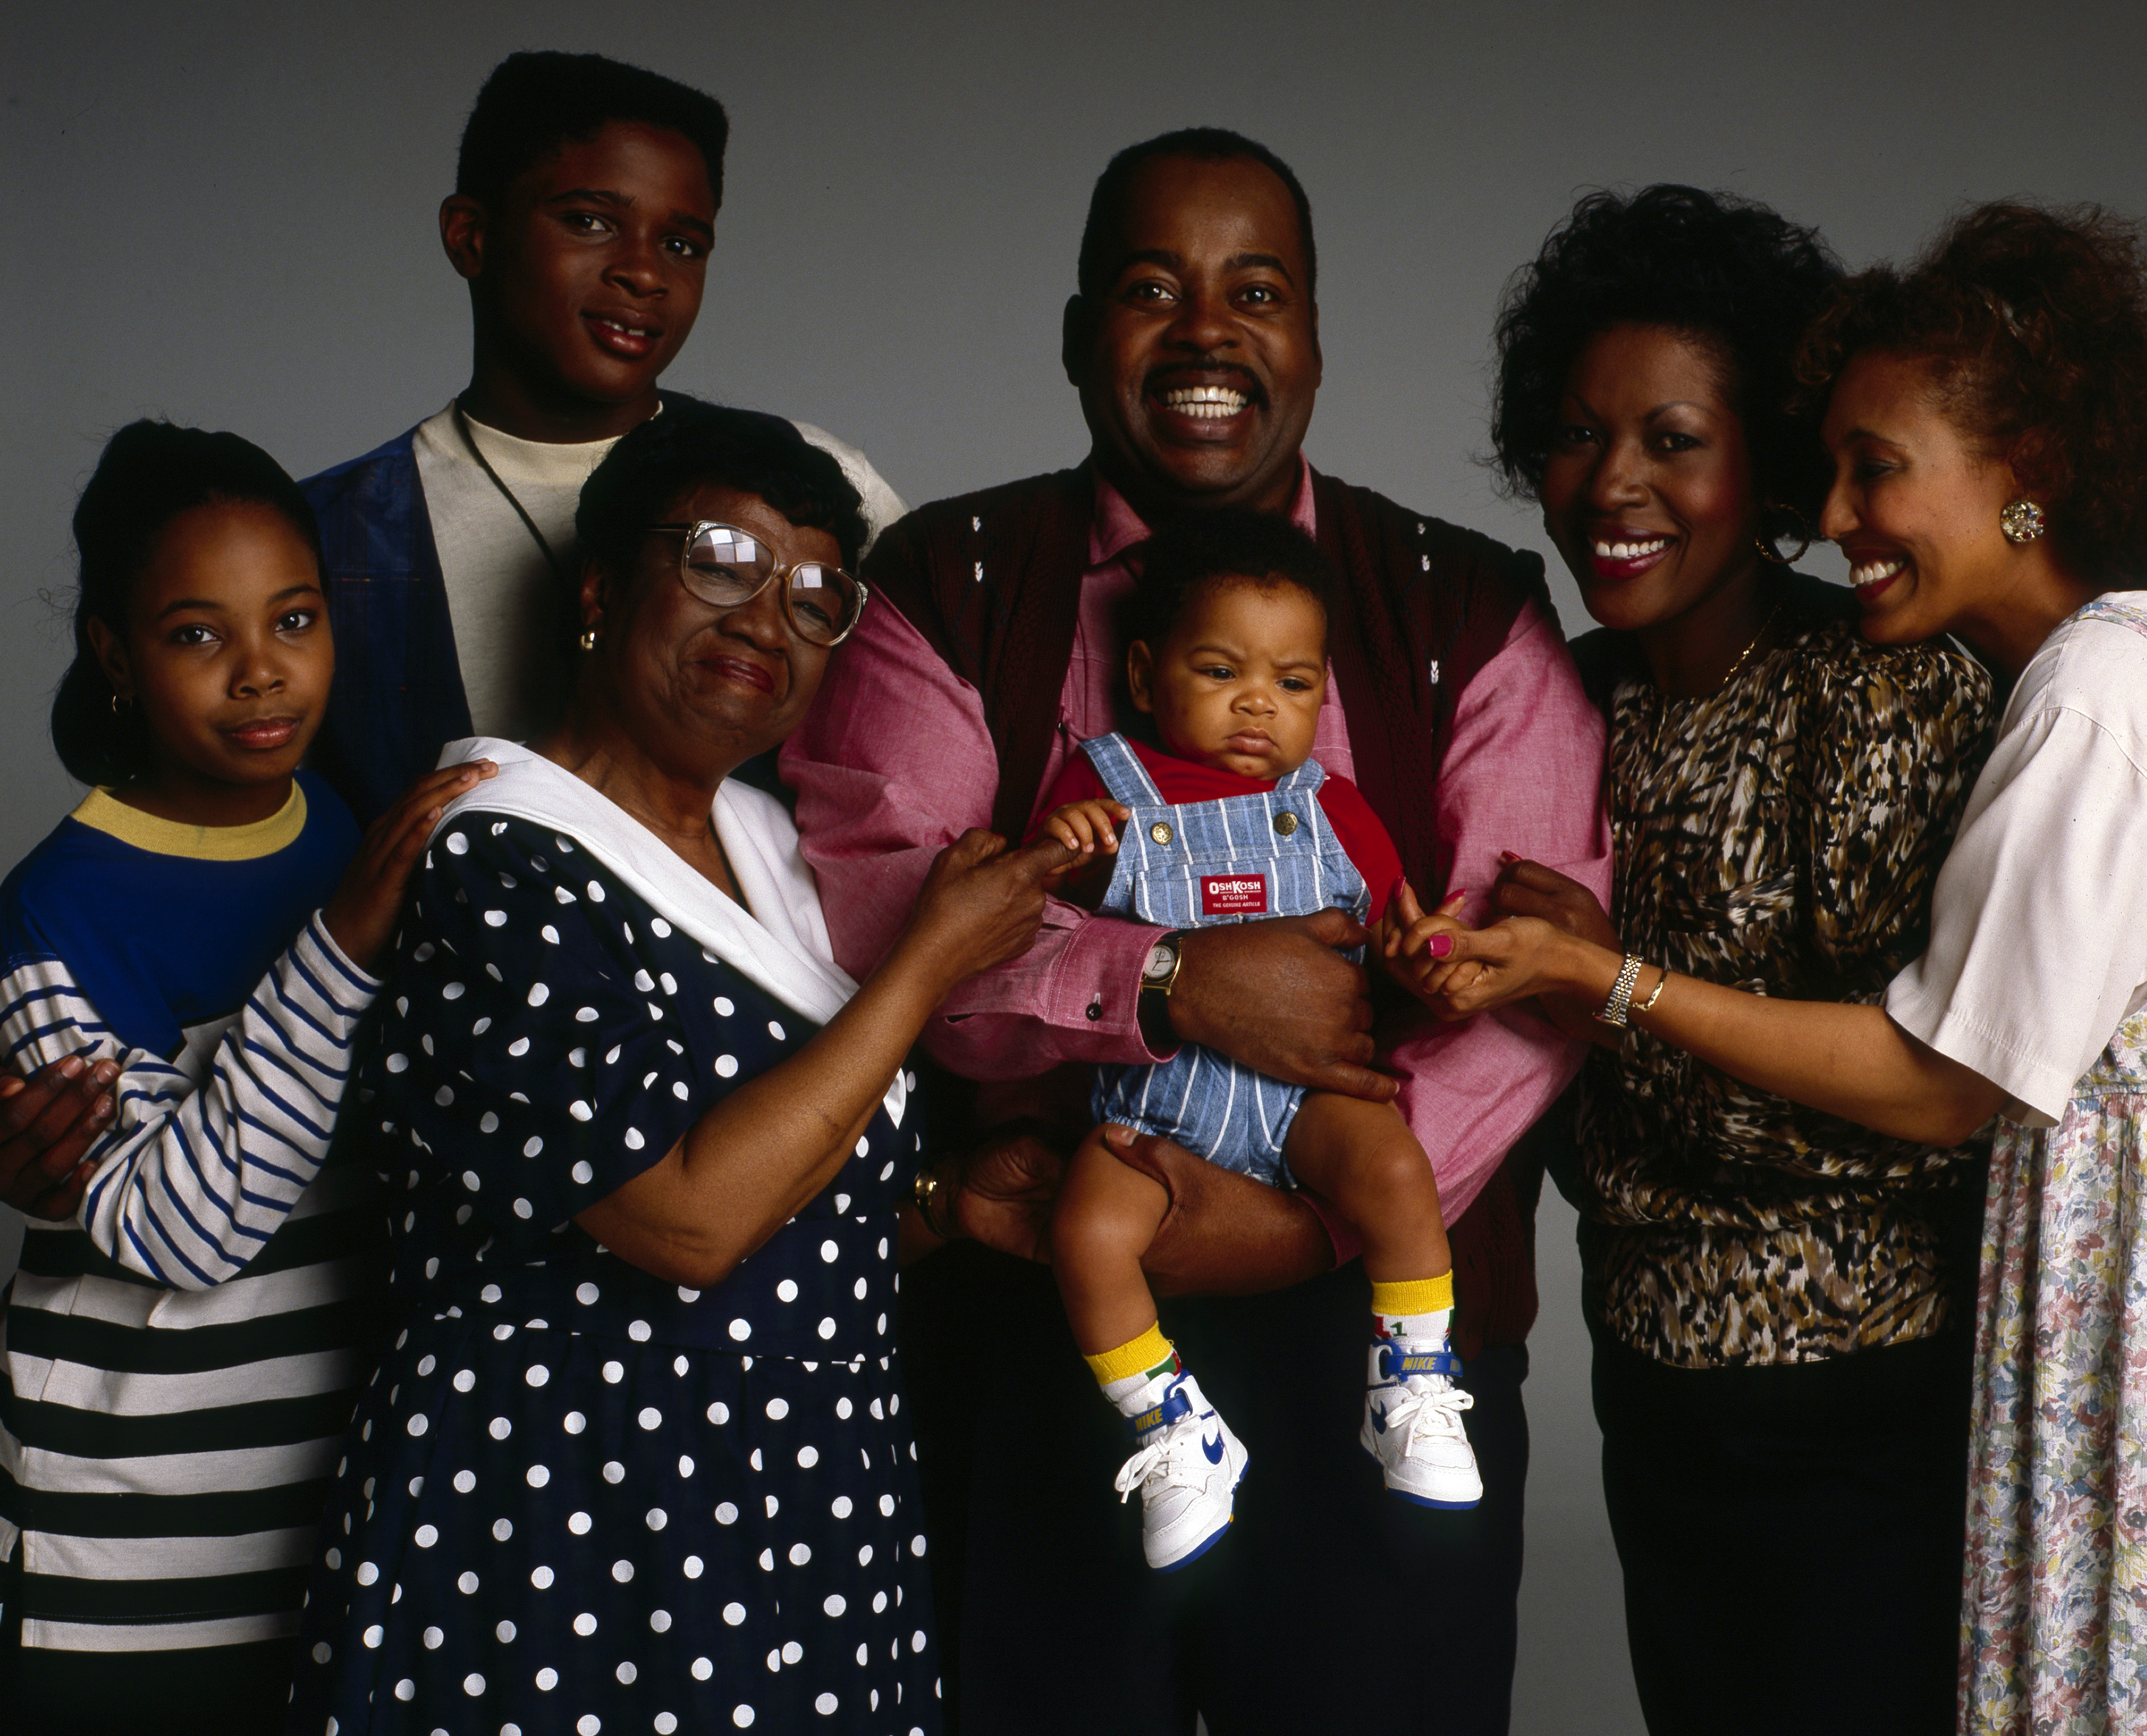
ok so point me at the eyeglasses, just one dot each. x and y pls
(724, 566)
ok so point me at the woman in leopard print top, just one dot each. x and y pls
(1782, 1390)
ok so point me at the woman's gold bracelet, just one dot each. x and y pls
(1648, 1004)
(1621, 992)
(925, 1191)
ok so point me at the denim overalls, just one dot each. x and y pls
(1237, 859)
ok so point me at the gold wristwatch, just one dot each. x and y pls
(1158, 976)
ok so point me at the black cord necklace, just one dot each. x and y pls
(521, 512)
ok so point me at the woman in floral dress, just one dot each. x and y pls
(1987, 414)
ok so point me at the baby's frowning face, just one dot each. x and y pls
(1239, 684)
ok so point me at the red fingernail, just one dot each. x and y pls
(1397, 888)
(1507, 856)
(1441, 945)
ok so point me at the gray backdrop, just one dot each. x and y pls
(223, 213)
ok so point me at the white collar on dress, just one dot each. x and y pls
(780, 941)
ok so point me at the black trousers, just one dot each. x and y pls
(1328, 1595)
(1790, 1538)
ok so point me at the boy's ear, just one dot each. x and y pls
(1141, 675)
(111, 653)
(592, 599)
(462, 233)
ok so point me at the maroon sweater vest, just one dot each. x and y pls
(992, 581)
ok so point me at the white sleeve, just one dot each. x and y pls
(191, 1182)
(883, 505)
(2039, 918)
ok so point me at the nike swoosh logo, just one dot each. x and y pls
(1214, 1449)
(1379, 1420)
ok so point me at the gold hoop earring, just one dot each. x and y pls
(588, 638)
(2022, 521)
(1768, 552)
(1765, 542)
(120, 707)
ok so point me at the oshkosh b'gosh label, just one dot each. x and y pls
(1234, 895)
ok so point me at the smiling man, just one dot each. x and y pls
(1193, 340)
(583, 217)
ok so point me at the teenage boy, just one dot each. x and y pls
(582, 215)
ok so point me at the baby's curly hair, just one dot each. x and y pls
(1725, 270)
(2033, 320)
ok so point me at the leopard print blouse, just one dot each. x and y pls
(1781, 837)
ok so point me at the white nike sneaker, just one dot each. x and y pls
(1186, 1465)
(1412, 1425)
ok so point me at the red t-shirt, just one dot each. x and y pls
(1357, 828)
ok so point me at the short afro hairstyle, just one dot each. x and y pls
(1200, 144)
(534, 103)
(692, 443)
(1721, 269)
(1228, 545)
(2032, 322)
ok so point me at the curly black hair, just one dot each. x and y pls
(2032, 322)
(1201, 144)
(1723, 269)
(532, 103)
(1230, 544)
(694, 442)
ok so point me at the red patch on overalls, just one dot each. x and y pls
(1234, 895)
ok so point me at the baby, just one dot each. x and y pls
(1231, 820)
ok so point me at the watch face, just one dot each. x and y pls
(1161, 959)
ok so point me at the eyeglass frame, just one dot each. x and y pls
(686, 532)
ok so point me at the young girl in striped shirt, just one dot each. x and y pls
(183, 1348)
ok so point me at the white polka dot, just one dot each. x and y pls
(917, 1641)
(679, 1365)
(419, 1424)
(632, 1140)
(548, 1678)
(622, 1571)
(741, 1330)
(464, 1379)
(425, 1535)
(495, 918)
(550, 933)
(539, 993)
(500, 1428)
(465, 1481)
(693, 1567)
(532, 1147)
(504, 1633)
(585, 1015)
(727, 1513)
(585, 1624)
(777, 1409)
(613, 1471)
(523, 1208)
(541, 1578)
(826, 1327)
(742, 1716)
(807, 1457)
(596, 892)
(406, 1690)
(502, 1529)
(432, 1636)
(579, 1524)
(787, 1291)
(398, 1064)
(827, 1702)
(800, 1553)
(537, 1476)
(665, 1723)
(479, 1029)
(865, 1556)
(367, 1572)
(575, 1422)
(626, 1672)
(581, 1111)
(830, 1252)
(467, 1584)
(775, 1030)
(726, 1066)
(372, 1636)
(581, 1171)
(423, 951)
(792, 1651)
(639, 1331)
(458, 845)
(656, 1518)
(917, 1543)
(537, 1375)
(703, 1670)
(323, 1653)
(432, 1267)
(879, 1608)
(614, 1372)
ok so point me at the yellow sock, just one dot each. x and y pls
(1143, 1355)
(1412, 1296)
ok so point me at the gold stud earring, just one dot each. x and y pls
(2022, 521)
(588, 638)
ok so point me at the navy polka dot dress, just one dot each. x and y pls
(576, 1497)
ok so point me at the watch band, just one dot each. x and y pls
(1152, 1005)
(1621, 992)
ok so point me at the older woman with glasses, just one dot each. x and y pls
(638, 1460)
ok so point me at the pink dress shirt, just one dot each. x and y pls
(894, 761)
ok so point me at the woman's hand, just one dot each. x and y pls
(1529, 889)
(1414, 946)
(1467, 971)
(361, 917)
(982, 903)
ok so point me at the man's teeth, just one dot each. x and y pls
(1872, 572)
(1631, 550)
(1209, 402)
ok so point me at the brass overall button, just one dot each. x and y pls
(1285, 822)
(1160, 832)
